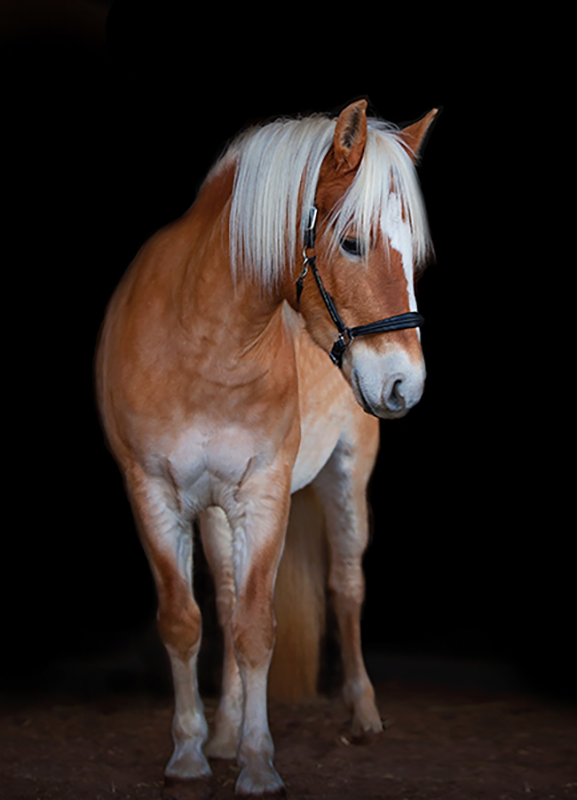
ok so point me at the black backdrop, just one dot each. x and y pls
(106, 140)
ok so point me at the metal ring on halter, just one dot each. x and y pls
(301, 277)
(340, 346)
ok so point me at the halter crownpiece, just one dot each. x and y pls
(411, 319)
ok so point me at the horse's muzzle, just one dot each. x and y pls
(387, 387)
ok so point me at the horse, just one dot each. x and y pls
(249, 352)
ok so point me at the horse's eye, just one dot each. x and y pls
(352, 246)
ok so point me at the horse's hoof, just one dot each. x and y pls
(260, 778)
(187, 762)
(370, 733)
(367, 737)
(366, 721)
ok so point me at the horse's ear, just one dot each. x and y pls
(414, 135)
(350, 136)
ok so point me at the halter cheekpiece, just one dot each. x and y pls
(411, 319)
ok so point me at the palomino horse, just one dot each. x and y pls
(219, 399)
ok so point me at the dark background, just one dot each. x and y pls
(109, 129)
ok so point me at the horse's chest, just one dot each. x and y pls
(221, 452)
(206, 464)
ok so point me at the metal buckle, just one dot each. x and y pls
(310, 230)
(300, 284)
(339, 347)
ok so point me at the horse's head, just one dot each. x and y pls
(371, 238)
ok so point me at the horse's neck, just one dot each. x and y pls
(235, 318)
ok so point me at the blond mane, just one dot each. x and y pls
(279, 161)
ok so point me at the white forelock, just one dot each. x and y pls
(278, 162)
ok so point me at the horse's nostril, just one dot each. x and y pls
(395, 400)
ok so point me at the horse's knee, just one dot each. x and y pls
(180, 623)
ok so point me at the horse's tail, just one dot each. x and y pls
(300, 602)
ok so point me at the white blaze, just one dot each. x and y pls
(400, 236)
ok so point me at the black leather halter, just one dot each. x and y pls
(346, 335)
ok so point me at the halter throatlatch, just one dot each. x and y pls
(411, 319)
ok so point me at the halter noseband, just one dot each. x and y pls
(346, 335)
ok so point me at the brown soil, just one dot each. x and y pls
(439, 743)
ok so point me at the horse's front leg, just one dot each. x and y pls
(258, 518)
(342, 488)
(216, 537)
(167, 539)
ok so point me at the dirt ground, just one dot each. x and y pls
(440, 742)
